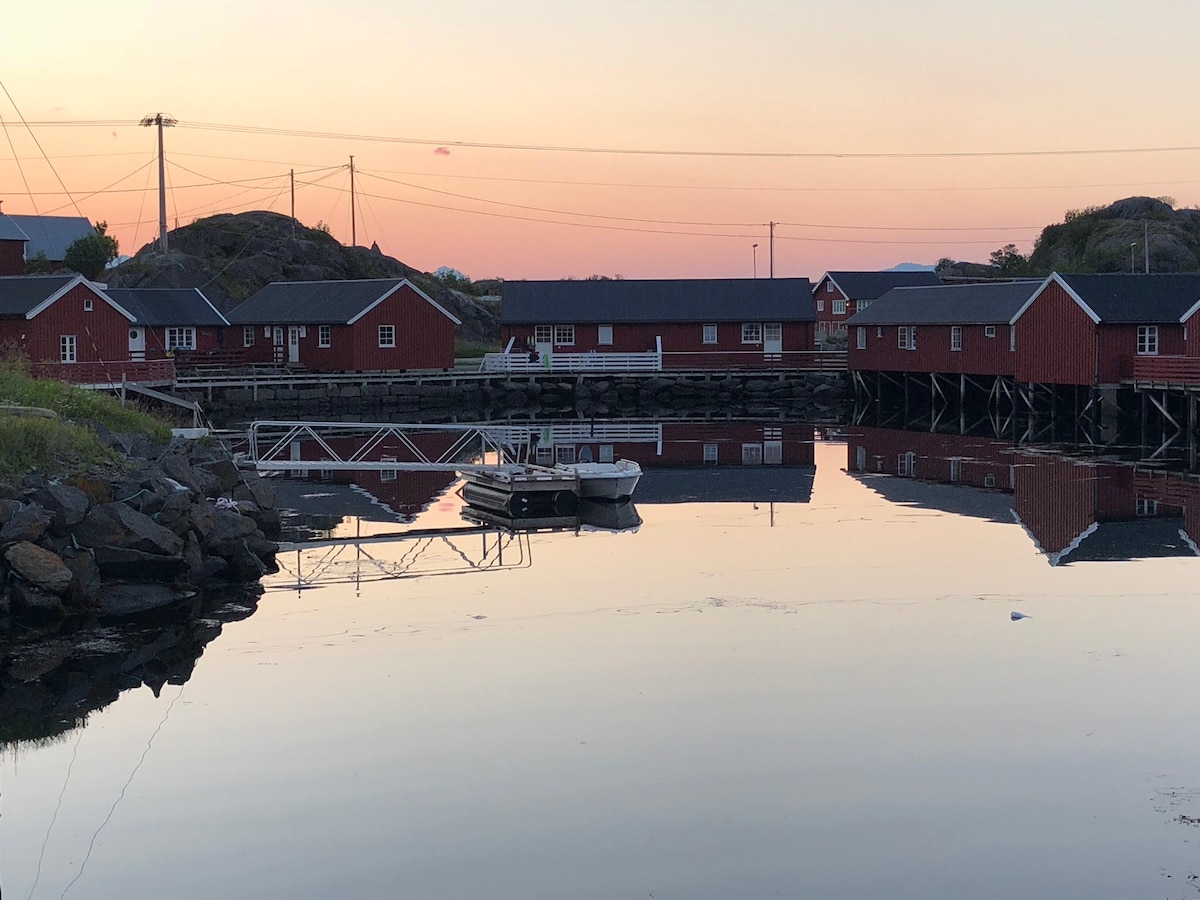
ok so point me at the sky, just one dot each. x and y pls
(874, 132)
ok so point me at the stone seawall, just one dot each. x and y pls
(809, 396)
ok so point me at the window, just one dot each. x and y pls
(906, 337)
(773, 453)
(564, 335)
(1147, 340)
(564, 454)
(989, 331)
(839, 307)
(822, 327)
(545, 455)
(820, 306)
(906, 464)
(606, 453)
(829, 287)
(751, 333)
(387, 474)
(1146, 507)
(604, 334)
(1012, 338)
(87, 305)
(752, 454)
(66, 348)
(955, 468)
(860, 459)
(247, 335)
(542, 334)
(955, 337)
(989, 480)
(862, 304)
(710, 334)
(324, 335)
(862, 337)
(710, 454)
(181, 338)
(387, 335)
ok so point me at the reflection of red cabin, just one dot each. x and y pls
(948, 329)
(1089, 329)
(944, 458)
(385, 324)
(709, 323)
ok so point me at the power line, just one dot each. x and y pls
(40, 149)
(639, 151)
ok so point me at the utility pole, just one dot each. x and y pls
(353, 224)
(161, 121)
(292, 180)
(772, 224)
(1146, 245)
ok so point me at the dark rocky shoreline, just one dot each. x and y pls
(157, 528)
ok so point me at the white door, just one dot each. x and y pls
(293, 343)
(772, 337)
(277, 342)
(137, 343)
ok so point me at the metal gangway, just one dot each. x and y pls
(282, 445)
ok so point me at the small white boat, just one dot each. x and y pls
(604, 481)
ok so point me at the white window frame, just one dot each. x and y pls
(68, 348)
(1144, 506)
(564, 335)
(752, 332)
(87, 304)
(604, 335)
(752, 454)
(989, 331)
(906, 464)
(820, 306)
(906, 337)
(862, 337)
(388, 474)
(545, 454)
(181, 338)
(248, 335)
(1147, 340)
(860, 458)
(863, 304)
(711, 452)
(543, 334)
(956, 468)
(606, 453)
(772, 453)
(989, 480)
(839, 307)
(956, 338)
(325, 336)
(708, 333)
(387, 336)
(829, 287)
(564, 453)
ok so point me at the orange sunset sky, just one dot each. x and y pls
(721, 85)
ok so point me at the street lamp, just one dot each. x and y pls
(754, 250)
(1132, 256)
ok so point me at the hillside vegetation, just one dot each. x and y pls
(232, 256)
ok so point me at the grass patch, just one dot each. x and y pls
(58, 446)
(473, 349)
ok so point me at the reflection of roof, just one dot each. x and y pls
(167, 306)
(323, 302)
(1148, 538)
(682, 300)
(948, 304)
(52, 235)
(873, 285)
(726, 484)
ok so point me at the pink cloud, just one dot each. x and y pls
(442, 151)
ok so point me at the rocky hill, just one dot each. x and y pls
(232, 256)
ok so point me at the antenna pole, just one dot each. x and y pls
(292, 180)
(353, 223)
(772, 224)
(160, 121)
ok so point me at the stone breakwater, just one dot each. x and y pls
(163, 524)
(808, 396)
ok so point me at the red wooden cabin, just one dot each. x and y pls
(947, 329)
(385, 324)
(697, 323)
(177, 322)
(1089, 329)
(840, 295)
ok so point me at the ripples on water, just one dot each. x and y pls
(791, 678)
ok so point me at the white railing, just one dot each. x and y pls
(572, 362)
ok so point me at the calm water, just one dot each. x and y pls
(824, 696)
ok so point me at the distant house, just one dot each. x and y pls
(1089, 329)
(694, 322)
(178, 321)
(367, 325)
(12, 247)
(63, 319)
(48, 236)
(948, 329)
(839, 295)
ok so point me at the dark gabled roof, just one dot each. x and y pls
(52, 235)
(320, 302)
(1149, 538)
(1135, 299)
(959, 304)
(167, 306)
(21, 293)
(873, 285)
(625, 301)
(10, 230)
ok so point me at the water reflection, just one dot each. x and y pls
(1074, 509)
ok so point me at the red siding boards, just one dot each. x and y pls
(677, 337)
(828, 322)
(12, 257)
(1191, 328)
(944, 458)
(101, 333)
(684, 445)
(980, 354)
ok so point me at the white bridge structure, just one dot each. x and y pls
(298, 446)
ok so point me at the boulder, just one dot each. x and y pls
(83, 566)
(33, 602)
(176, 513)
(67, 505)
(39, 567)
(129, 599)
(25, 524)
(143, 533)
(99, 529)
(226, 473)
(125, 562)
